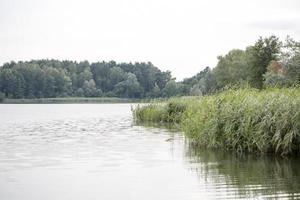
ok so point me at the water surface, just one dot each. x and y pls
(93, 151)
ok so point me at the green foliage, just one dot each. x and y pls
(201, 84)
(290, 48)
(150, 113)
(293, 69)
(53, 78)
(130, 87)
(245, 120)
(68, 100)
(172, 88)
(2, 96)
(156, 91)
(90, 90)
(284, 76)
(159, 112)
(260, 55)
(239, 67)
(231, 69)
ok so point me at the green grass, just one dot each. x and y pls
(245, 120)
(70, 100)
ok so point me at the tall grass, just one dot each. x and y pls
(245, 120)
(160, 111)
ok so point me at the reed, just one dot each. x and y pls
(244, 120)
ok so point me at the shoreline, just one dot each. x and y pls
(244, 120)
(72, 100)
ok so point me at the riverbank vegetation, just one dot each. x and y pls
(268, 62)
(244, 120)
(263, 117)
(70, 100)
(250, 102)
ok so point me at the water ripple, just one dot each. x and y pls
(95, 152)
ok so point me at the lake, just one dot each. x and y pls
(94, 151)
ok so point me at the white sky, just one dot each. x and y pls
(182, 36)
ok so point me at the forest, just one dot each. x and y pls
(269, 62)
(53, 78)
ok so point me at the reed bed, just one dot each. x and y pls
(244, 120)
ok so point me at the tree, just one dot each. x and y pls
(101, 76)
(54, 78)
(260, 55)
(232, 69)
(116, 75)
(90, 90)
(293, 69)
(2, 96)
(8, 82)
(195, 90)
(86, 75)
(170, 89)
(18, 85)
(129, 87)
(63, 84)
(79, 92)
(189, 83)
(50, 85)
(289, 49)
(155, 91)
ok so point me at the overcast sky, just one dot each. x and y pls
(182, 36)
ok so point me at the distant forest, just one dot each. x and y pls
(54, 78)
(268, 62)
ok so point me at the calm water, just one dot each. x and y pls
(93, 151)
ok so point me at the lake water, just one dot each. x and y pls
(94, 151)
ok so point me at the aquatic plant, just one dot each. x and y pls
(244, 120)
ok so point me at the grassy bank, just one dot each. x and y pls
(69, 100)
(245, 120)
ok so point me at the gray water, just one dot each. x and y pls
(94, 151)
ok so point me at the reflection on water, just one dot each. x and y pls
(95, 152)
(246, 176)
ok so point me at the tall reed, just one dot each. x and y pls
(245, 120)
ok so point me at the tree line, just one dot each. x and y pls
(54, 78)
(268, 62)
